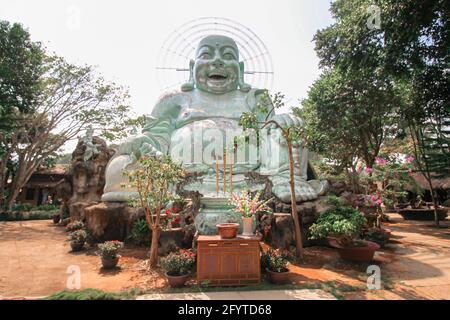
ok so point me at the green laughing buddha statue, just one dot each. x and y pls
(196, 124)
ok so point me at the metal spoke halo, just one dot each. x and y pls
(172, 66)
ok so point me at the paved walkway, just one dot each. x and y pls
(304, 294)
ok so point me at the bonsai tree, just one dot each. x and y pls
(153, 180)
(340, 222)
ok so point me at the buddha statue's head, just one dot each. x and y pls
(216, 68)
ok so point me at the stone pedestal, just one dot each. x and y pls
(110, 220)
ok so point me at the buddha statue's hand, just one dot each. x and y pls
(281, 188)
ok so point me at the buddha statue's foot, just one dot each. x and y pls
(304, 190)
(119, 196)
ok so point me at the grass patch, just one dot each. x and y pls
(91, 294)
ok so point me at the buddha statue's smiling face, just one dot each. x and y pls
(216, 67)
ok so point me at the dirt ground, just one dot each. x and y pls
(36, 261)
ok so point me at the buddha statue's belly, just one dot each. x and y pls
(199, 143)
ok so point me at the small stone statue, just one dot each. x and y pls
(91, 147)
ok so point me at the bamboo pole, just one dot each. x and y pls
(217, 175)
(224, 172)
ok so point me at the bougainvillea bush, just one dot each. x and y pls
(386, 182)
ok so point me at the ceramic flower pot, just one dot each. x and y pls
(228, 230)
(357, 254)
(110, 262)
(177, 281)
(76, 246)
(278, 277)
(247, 226)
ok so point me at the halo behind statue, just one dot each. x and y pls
(172, 69)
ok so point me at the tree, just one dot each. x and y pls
(21, 66)
(291, 133)
(406, 48)
(153, 180)
(72, 98)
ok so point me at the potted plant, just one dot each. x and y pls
(343, 226)
(77, 239)
(378, 235)
(75, 225)
(108, 251)
(247, 206)
(177, 266)
(275, 262)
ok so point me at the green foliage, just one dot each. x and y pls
(88, 294)
(154, 179)
(47, 207)
(178, 263)
(341, 222)
(109, 249)
(140, 233)
(22, 207)
(27, 215)
(276, 260)
(20, 71)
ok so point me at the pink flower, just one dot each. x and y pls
(369, 170)
(409, 159)
(380, 161)
(410, 170)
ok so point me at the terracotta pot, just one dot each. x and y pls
(278, 277)
(109, 263)
(248, 226)
(177, 281)
(228, 230)
(76, 246)
(358, 254)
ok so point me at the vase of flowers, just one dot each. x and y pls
(247, 206)
(108, 251)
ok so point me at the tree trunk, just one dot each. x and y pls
(434, 199)
(154, 247)
(295, 215)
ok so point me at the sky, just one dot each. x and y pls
(123, 38)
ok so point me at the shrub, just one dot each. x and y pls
(178, 263)
(109, 249)
(22, 207)
(140, 234)
(47, 207)
(75, 225)
(78, 236)
(341, 222)
(276, 260)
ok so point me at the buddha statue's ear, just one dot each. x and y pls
(190, 85)
(244, 87)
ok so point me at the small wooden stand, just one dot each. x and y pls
(228, 262)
